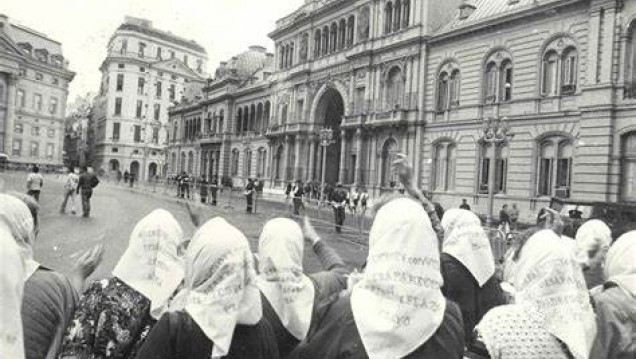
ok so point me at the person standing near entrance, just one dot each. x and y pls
(464, 205)
(35, 182)
(126, 176)
(297, 192)
(132, 178)
(70, 187)
(339, 201)
(214, 189)
(87, 181)
(249, 195)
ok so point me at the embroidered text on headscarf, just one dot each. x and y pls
(550, 286)
(398, 304)
(220, 290)
(282, 282)
(466, 240)
(151, 265)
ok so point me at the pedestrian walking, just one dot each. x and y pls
(297, 192)
(70, 187)
(249, 195)
(513, 214)
(87, 182)
(132, 178)
(354, 199)
(35, 182)
(364, 200)
(214, 189)
(288, 190)
(203, 190)
(464, 205)
(119, 175)
(504, 219)
(338, 200)
(126, 176)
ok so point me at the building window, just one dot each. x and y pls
(20, 99)
(120, 83)
(351, 25)
(628, 190)
(53, 106)
(35, 149)
(17, 147)
(498, 79)
(554, 167)
(124, 47)
(448, 89)
(142, 49)
(185, 59)
(18, 128)
(442, 92)
(50, 133)
(50, 151)
(247, 169)
(559, 73)
(317, 43)
(141, 85)
(235, 162)
(501, 168)
(388, 17)
(118, 106)
(262, 162)
(39, 76)
(139, 110)
(444, 166)
(137, 133)
(55, 81)
(116, 131)
(121, 66)
(283, 116)
(159, 53)
(158, 89)
(35, 131)
(199, 66)
(171, 92)
(394, 88)
(155, 135)
(37, 102)
(114, 150)
(325, 40)
(157, 111)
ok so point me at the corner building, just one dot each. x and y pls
(419, 77)
(146, 71)
(34, 80)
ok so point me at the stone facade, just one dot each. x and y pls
(420, 77)
(34, 80)
(145, 72)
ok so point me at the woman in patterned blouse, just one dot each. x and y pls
(115, 315)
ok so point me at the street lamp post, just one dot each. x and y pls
(496, 133)
(326, 139)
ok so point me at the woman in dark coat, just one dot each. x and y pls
(291, 298)
(396, 309)
(468, 268)
(218, 313)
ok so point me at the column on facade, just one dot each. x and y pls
(312, 158)
(352, 81)
(343, 146)
(358, 156)
(10, 115)
(284, 158)
(367, 90)
(415, 76)
(297, 169)
(373, 139)
(378, 88)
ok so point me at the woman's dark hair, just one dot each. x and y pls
(439, 210)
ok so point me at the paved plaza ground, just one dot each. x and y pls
(116, 210)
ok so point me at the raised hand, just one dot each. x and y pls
(309, 233)
(86, 265)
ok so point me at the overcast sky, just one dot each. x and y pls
(223, 27)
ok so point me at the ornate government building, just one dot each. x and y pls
(420, 77)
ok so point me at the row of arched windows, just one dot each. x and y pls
(558, 77)
(286, 55)
(261, 162)
(336, 37)
(252, 118)
(192, 128)
(396, 15)
(214, 122)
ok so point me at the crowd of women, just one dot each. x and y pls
(429, 289)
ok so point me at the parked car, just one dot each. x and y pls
(620, 217)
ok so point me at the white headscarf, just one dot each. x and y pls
(281, 278)
(220, 290)
(465, 239)
(16, 218)
(550, 287)
(398, 304)
(620, 263)
(592, 235)
(151, 264)
(11, 288)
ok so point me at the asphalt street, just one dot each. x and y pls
(116, 210)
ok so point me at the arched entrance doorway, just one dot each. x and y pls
(329, 112)
(134, 169)
(152, 171)
(113, 165)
